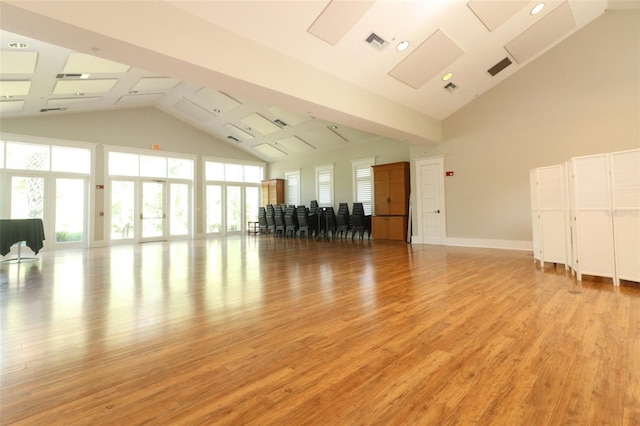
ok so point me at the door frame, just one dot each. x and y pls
(49, 203)
(165, 210)
(417, 217)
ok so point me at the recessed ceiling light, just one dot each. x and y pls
(18, 45)
(402, 45)
(537, 8)
(447, 76)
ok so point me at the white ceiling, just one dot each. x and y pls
(465, 38)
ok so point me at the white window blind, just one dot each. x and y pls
(363, 183)
(293, 187)
(324, 185)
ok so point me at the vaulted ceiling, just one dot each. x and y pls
(277, 78)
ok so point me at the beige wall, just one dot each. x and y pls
(384, 151)
(580, 98)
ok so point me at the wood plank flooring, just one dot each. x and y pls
(263, 331)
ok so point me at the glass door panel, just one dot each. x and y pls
(252, 201)
(214, 208)
(70, 215)
(122, 210)
(234, 208)
(153, 212)
(27, 197)
(179, 209)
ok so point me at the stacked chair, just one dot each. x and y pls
(359, 221)
(342, 220)
(271, 219)
(291, 221)
(306, 223)
(279, 219)
(262, 220)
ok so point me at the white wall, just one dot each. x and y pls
(582, 97)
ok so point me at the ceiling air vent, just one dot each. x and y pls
(499, 67)
(53, 109)
(450, 87)
(231, 138)
(63, 76)
(376, 41)
(280, 123)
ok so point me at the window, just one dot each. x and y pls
(363, 183)
(293, 187)
(150, 166)
(232, 195)
(324, 185)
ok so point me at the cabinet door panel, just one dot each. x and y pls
(379, 227)
(397, 228)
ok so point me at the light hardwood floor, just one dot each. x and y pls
(251, 330)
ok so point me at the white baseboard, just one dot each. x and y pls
(483, 243)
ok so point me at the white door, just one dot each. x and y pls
(430, 184)
(153, 211)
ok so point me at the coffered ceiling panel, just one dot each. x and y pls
(80, 63)
(495, 13)
(295, 144)
(59, 102)
(323, 137)
(427, 60)
(14, 88)
(16, 62)
(238, 132)
(195, 111)
(70, 87)
(217, 100)
(549, 29)
(260, 124)
(11, 106)
(155, 84)
(147, 98)
(269, 151)
(288, 117)
(337, 19)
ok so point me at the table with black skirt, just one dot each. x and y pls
(12, 231)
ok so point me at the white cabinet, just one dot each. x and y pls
(586, 214)
(593, 241)
(625, 205)
(549, 214)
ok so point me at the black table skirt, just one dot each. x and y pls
(15, 230)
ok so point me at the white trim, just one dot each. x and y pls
(325, 168)
(150, 152)
(234, 161)
(418, 163)
(40, 140)
(288, 192)
(488, 243)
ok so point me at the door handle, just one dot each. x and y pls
(437, 211)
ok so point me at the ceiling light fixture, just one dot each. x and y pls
(447, 76)
(402, 46)
(537, 8)
(18, 45)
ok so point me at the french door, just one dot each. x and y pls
(59, 200)
(144, 210)
(153, 210)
